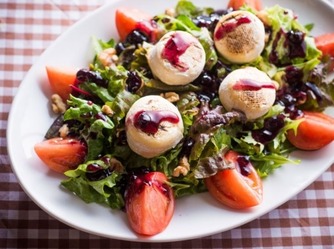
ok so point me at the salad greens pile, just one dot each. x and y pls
(209, 131)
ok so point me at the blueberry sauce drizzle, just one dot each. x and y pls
(174, 48)
(230, 26)
(272, 126)
(150, 121)
(243, 164)
(96, 173)
(251, 85)
(133, 82)
(141, 178)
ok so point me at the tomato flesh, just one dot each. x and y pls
(129, 19)
(325, 43)
(314, 132)
(234, 189)
(61, 154)
(149, 203)
(60, 80)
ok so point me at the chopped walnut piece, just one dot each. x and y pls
(63, 131)
(266, 37)
(183, 167)
(107, 110)
(193, 111)
(170, 12)
(58, 105)
(171, 96)
(116, 165)
(108, 57)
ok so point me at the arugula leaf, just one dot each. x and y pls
(101, 92)
(271, 155)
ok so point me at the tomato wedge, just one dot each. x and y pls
(149, 203)
(128, 19)
(237, 4)
(325, 43)
(239, 187)
(60, 80)
(314, 132)
(61, 154)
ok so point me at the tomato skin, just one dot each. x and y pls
(325, 43)
(60, 80)
(237, 4)
(314, 132)
(150, 203)
(234, 189)
(129, 19)
(61, 154)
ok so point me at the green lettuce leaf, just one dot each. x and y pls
(95, 122)
(271, 155)
(99, 45)
(121, 105)
(104, 191)
(281, 21)
(187, 8)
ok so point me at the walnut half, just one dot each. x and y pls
(58, 105)
(108, 57)
(183, 167)
(171, 96)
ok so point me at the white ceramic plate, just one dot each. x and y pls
(194, 216)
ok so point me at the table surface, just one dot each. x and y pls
(26, 29)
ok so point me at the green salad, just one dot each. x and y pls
(120, 74)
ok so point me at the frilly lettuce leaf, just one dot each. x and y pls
(282, 20)
(121, 105)
(187, 8)
(104, 191)
(267, 157)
